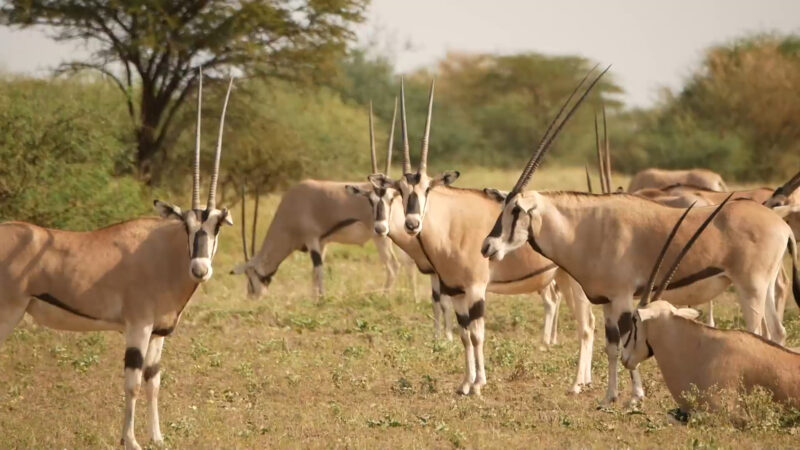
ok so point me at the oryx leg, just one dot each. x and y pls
(441, 310)
(152, 384)
(581, 309)
(710, 318)
(776, 330)
(388, 259)
(753, 301)
(469, 309)
(613, 311)
(10, 315)
(411, 271)
(782, 291)
(551, 301)
(137, 339)
(316, 250)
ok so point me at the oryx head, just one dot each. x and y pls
(381, 196)
(202, 224)
(415, 186)
(781, 195)
(633, 328)
(257, 282)
(521, 217)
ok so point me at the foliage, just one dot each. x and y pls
(61, 153)
(160, 45)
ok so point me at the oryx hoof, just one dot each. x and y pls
(464, 389)
(130, 444)
(575, 389)
(609, 400)
(449, 336)
(635, 401)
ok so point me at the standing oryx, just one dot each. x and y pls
(621, 232)
(135, 277)
(311, 214)
(660, 178)
(450, 234)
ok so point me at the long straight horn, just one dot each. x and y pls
(212, 193)
(548, 138)
(671, 272)
(404, 128)
(607, 149)
(372, 141)
(244, 227)
(423, 158)
(588, 179)
(790, 186)
(391, 140)
(255, 223)
(657, 266)
(600, 159)
(196, 165)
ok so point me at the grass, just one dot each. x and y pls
(354, 369)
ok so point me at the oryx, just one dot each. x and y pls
(312, 214)
(135, 277)
(450, 232)
(660, 178)
(620, 232)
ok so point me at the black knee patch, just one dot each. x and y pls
(625, 323)
(463, 320)
(151, 371)
(612, 334)
(437, 297)
(476, 310)
(316, 258)
(133, 358)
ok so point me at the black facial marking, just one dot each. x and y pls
(632, 335)
(337, 227)
(380, 211)
(612, 334)
(463, 320)
(200, 245)
(133, 358)
(380, 192)
(514, 219)
(413, 178)
(599, 300)
(477, 310)
(624, 323)
(437, 297)
(265, 279)
(316, 258)
(163, 332)
(47, 298)
(412, 207)
(151, 371)
(534, 245)
(497, 229)
(204, 215)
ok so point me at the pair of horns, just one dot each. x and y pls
(255, 222)
(790, 186)
(372, 141)
(671, 272)
(423, 159)
(212, 192)
(603, 155)
(551, 133)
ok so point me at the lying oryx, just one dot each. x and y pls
(135, 277)
(448, 224)
(619, 231)
(693, 356)
(661, 178)
(311, 214)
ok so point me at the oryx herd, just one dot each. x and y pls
(604, 249)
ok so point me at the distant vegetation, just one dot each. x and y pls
(68, 149)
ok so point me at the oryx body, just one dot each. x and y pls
(661, 178)
(135, 277)
(310, 215)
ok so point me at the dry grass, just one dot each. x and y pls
(355, 369)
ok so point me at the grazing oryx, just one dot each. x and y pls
(661, 178)
(693, 356)
(135, 277)
(311, 214)
(745, 248)
(448, 224)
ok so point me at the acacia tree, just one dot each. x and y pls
(151, 49)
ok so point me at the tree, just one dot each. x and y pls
(151, 49)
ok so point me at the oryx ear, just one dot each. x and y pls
(446, 178)
(646, 313)
(784, 211)
(166, 210)
(355, 190)
(226, 216)
(687, 313)
(495, 194)
(380, 180)
(239, 269)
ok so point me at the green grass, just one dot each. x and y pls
(354, 369)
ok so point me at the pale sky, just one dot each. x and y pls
(650, 43)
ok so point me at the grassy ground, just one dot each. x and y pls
(355, 369)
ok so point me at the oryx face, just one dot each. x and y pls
(414, 189)
(635, 346)
(257, 282)
(518, 222)
(380, 199)
(202, 229)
